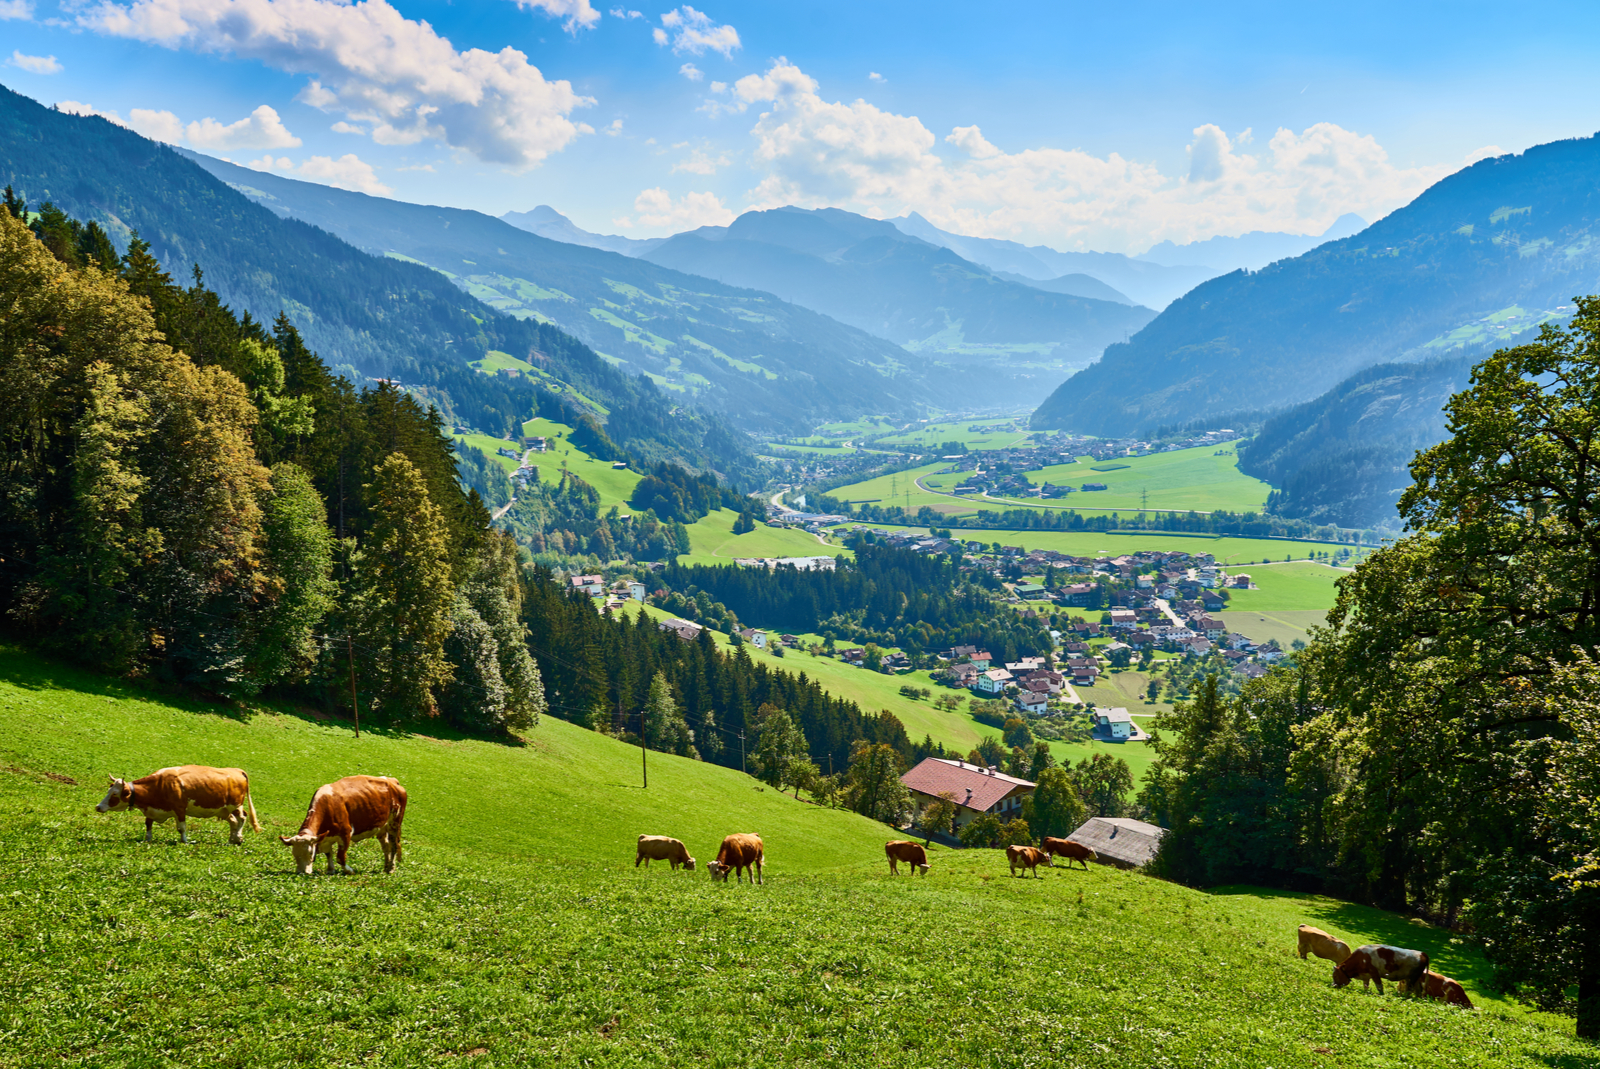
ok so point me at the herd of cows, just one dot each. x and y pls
(365, 807)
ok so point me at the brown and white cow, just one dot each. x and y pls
(1320, 943)
(1442, 987)
(1070, 850)
(1028, 858)
(739, 854)
(662, 848)
(183, 792)
(904, 850)
(1377, 963)
(347, 811)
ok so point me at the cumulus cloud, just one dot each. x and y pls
(818, 152)
(157, 125)
(691, 72)
(656, 210)
(342, 127)
(370, 64)
(696, 33)
(613, 128)
(15, 9)
(701, 161)
(262, 129)
(874, 76)
(34, 64)
(346, 172)
(78, 107)
(620, 13)
(578, 13)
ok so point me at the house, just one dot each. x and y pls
(593, 585)
(854, 655)
(982, 659)
(687, 630)
(791, 641)
(1116, 722)
(1051, 681)
(1128, 844)
(1123, 618)
(1029, 591)
(975, 789)
(1033, 702)
(754, 636)
(1211, 627)
(963, 674)
(993, 682)
(961, 653)
(1078, 594)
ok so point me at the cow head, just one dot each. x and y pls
(304, 845)
(1340, 977)
(118, 795)
(924, 867)
(688, 864)
(719, 871)
(1046, 860)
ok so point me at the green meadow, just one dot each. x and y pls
(487, 444)
(712, 541)
(1204, 479)
(615, 485)
(517, 931)
(1226, 548)
(929, 435)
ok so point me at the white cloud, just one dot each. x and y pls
(701, 161)
(370, 64)
(262, 129)
(342, 127)
(157, 125)
(619, 13)
(578, 13)
(35, 64)
(694, 32)
(656, 210)
(15, 9)
(418, 167)
(660, 35)
(613, 128)
(691, 72)
(874, 76)
(816, 152)
(719, 87)
(346, 172)
(78, 107)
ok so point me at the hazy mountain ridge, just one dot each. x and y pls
(1479, 258)
(549, 223)
(767, 364)
(1251, 251)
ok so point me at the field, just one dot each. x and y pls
(1226, 549)
(517, 931)
(934, 434)
(1284, 625)
(487, 445)
(712, 541)
(1198, 479)
(1300, 585)
(615, 485)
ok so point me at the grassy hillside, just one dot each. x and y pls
(712, 541)
(1227, 549)
(1292, 586)
(517, 932)
(1203, 478)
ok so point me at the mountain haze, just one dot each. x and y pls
(1251, 251)
(1479, 259)
(549, 223)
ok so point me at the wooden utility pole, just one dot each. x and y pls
(741, 752)
(355, 705)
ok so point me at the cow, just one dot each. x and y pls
(662, 848)
(1070, 850)
(1442, 987)
(1027, 857)
(1377, 963)
(183, 792)
(347, 811)
(1318, 942)
(911, 853)
(739, 854)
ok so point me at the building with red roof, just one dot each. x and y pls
(975, 788)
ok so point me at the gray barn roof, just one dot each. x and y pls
(1119, 840)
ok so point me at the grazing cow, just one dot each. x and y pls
(739, 854)
(662, 848)
(1377, 963)
(911, 853)
(345, 812)
(1071, 851)
(1442, 987)
(184, 792)
(1027, 857)
(1318, 942)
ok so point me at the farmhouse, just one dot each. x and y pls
(1116, 722)
(992, 682)
(1128, 844)
(754, 636)
(687, 630)
(593, 585)
(974, 788)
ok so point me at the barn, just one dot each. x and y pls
(1128, 844)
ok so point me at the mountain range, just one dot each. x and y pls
(1478, 260)
(1251, 251)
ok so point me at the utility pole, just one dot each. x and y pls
(355, 705)
(741, 751)
(644, 760)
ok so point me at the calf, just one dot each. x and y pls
(1027, 857)
(183, 792)
(1442, 987)
(662, 848)
(1377, 963)
(1318, 942)
(739, 854)
(345, 812)
(911, 853)
(1071, 851)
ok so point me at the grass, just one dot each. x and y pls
(1298, 586)
(615, 485)
(712, 541)
(935, 434)
(1285, 625)
(517, 931)
(488, 444)
(1181, 480)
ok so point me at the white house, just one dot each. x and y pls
(1033, 702)
(1116, 721)
(755, 637)
(974, 789)
(992, 682)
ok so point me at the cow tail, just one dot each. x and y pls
(250, 804)
(399, 818)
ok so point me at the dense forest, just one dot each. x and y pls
(887, 595)
(1437, 747)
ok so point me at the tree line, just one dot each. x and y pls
(1436, 747)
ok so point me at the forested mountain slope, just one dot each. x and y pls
(985, 336)
(768, 365)
(1480, 257)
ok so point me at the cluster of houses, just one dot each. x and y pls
(607, 598)
(799, 564)
(979, 789)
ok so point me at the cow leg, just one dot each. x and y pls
(1379, 981)
(344, 851)
(182, 813)
(640, 858)
(391, 851)
(758, 873)
(329, 852)
(892, 870)
(235, 821)
(149, 829)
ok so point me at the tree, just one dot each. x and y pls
(1041, 760)
(982, 830)
(1017, 733)
(664, 726)
(988, 752)
(406, 592)
(1014, 833)
(1103, 781)
(1054, 808)
(873, 786)
(938, 815)
(800, 772)
(871, 657)
(1153, 690)
(779, 743)
(299, 564)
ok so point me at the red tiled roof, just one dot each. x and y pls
(936, 775)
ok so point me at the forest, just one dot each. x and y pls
(1436, 747)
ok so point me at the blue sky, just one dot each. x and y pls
(1081, 126)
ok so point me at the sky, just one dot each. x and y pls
(1106, 127)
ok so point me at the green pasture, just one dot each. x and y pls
(516, 930)
(615, 485)
(1288, 586)
(1227, 549)
(934, 434)
(488, 444)
(1285, 625)
(712, 541)
(1182, 480)
(494, 360)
